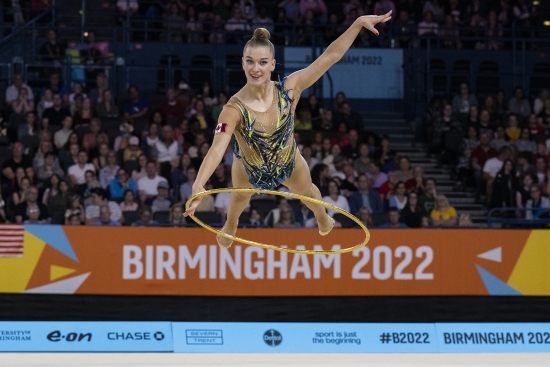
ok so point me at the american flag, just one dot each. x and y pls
(11, 240)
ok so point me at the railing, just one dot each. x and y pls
(515, 218)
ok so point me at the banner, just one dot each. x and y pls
(373, 73)
(60, 336)
(187, 261)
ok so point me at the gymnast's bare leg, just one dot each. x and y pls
(300, 183)
(237, 202)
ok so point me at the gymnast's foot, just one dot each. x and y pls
(225, 242)
(326, 225)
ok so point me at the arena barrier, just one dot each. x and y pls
(186, 261)
(197, 337)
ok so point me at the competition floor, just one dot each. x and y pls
(268, 360)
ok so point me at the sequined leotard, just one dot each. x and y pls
(264, 141)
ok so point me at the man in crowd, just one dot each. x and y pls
(393, 219)
(167, 152)
(478, 157)
(105, 217)
(18, 160)
(77, 172)
(148, 185)
(426, 201)
(22, 210)
(99, 200)
(491, 168)
(12, 92)
(54, 115)
(172, 109)
(365, 197)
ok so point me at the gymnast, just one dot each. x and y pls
(261, 116)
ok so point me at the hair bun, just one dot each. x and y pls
(261, 34)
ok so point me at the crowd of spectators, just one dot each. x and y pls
(458, 24)
(500, 146)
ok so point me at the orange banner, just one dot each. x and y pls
(186, 261)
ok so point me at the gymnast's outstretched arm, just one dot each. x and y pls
(303, 79)
(228, 120)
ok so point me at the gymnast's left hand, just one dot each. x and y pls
(369, 21)
(195, 203)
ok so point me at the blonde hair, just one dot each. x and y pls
(260, 38)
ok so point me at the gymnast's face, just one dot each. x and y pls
(258, 63)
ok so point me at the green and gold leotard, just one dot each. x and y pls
(264, 141)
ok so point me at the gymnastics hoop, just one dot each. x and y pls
(272, 247)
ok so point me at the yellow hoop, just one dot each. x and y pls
(277, 248)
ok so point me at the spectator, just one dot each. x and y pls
(91, 183)
(524, 166)
(21, 210)
(75, 209)
(101, 85)
(403, 30)
(463, 170)
(412, 213)
(192, 26)
(77, 91)
(199, 114)
(23, 103)
(524, 14)
(59, 202)
(128, 203)
(513, 132)
(120, 184)
(54, 115)
(479, 157)
(126, 7)
(545, 113)
(263, 20)
(538, 104)
(362, 162)
(364, 217)
(48, 168)
(536, 126)
(393, 220)
(34, 215)
(151, 136)
(147, 186)
(105, 217)
(320, 176)
(494, 32)
(77, 171)
(236, 26)
(427, 27)
(375, 175)
(307, 154)
(492, 167)
(19, 195)
(443, 214)
(524, 143)
(317, 7)
(28, 127)
(537, 206)
(91, 140)
(399, 198)
(287, 219)
(335, 198)
(85, 114)
(274, 214)
(388, 188)
(219, 178)
(162, 201)
(519, 105)
(101, 160)
(167, 152)
(145, 218)
(255, 219)
(137, 107)
(141, 170)
(291, 9)
(109, 171)
(464, 100)
(171, 108)
(365, 197)
(404, 173)
(499, 140)
(107, 108)
(426, 201)
(450, 33)
(385, 154)
(540, 169)
(13, 91)
(434, 7)
(61, 137)
(353, 120)
(173, 23)
(46, 101)
(73, 220)
(98, 199)
(176, 215)
(52, 51)
(505, 187)
(18, 160)
(57, 87)
(248, 9)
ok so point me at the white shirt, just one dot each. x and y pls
(127, 4)
(492, 166)
(12, 93)
(341, 202)
(92, 211)
(167, 153)
(80, 173)
(149, 186)
(222, 201)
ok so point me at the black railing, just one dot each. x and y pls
(518, 217)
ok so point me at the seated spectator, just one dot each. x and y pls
(541, 152)
(59, 202)
(52, 51)
(464, 100)
(537, 206)
(29, 127)
(90, 140)
(208, 96)
(137, 107)
(524, 143)
(307, 153)
(198, 113)
(320, 177)
(393, 220)
(442, 127)
(176, 215)
(120, 184)
(435, 8)
(403, 29)
(49, 168)
(362, 162)
(352, 119)
(162, 201)
(217, 108)
(485, 125)
(375, 175)
(540, 169)
(479, 157)
(54, 115)
(167, 152)
(46, 101)
(125, 8)
(492, 167)
(427, 27)
(84, 115)
(141, 170)
(505, 186)
(513, 132)
(75, 210)
(23, 103)
(416, 183)
(519, 105)
(412, 213)
(335, 198)
(20, 195)
(13, 91)
(255, 219)
(101, 85)
(426, 201)
(404, 173)
(388, 188)
(34, 216)
(365, 197)
(385, 154)
(130, 152)
(77, 172)
(538, 104)
(364, 217)
(21, 210)
(107, 108)
(145, 218)
(71, 157)
(100, 160)
(74, 220)
(18, 160)
(450, 33)
(99, 199)
(151, 137)
(91, 183)
(236, 26)
(499, 140)
(171, 108)
(61, 137)
(443, 214)
(129, 203)
(109, 171)
(105, 217)
(287, 219)
(399, 198)
(147, 186)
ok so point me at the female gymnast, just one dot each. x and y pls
(261, 116)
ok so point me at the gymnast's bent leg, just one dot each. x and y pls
(300, 183)
(237, 203)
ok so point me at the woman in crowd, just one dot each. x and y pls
(29, 127)
(109, 171)
(364, 216)
(287, 219)
(75, 209)
(128, 203)
(141, 171)
(412, 213)
(505, 185)
(20, 195)
(176, 215)
(59, 203)
(335, 198)
(443, 214)
(52, 188)
(399, 197)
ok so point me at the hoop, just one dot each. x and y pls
(272, 247)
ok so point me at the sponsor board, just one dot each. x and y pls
(85, 336)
